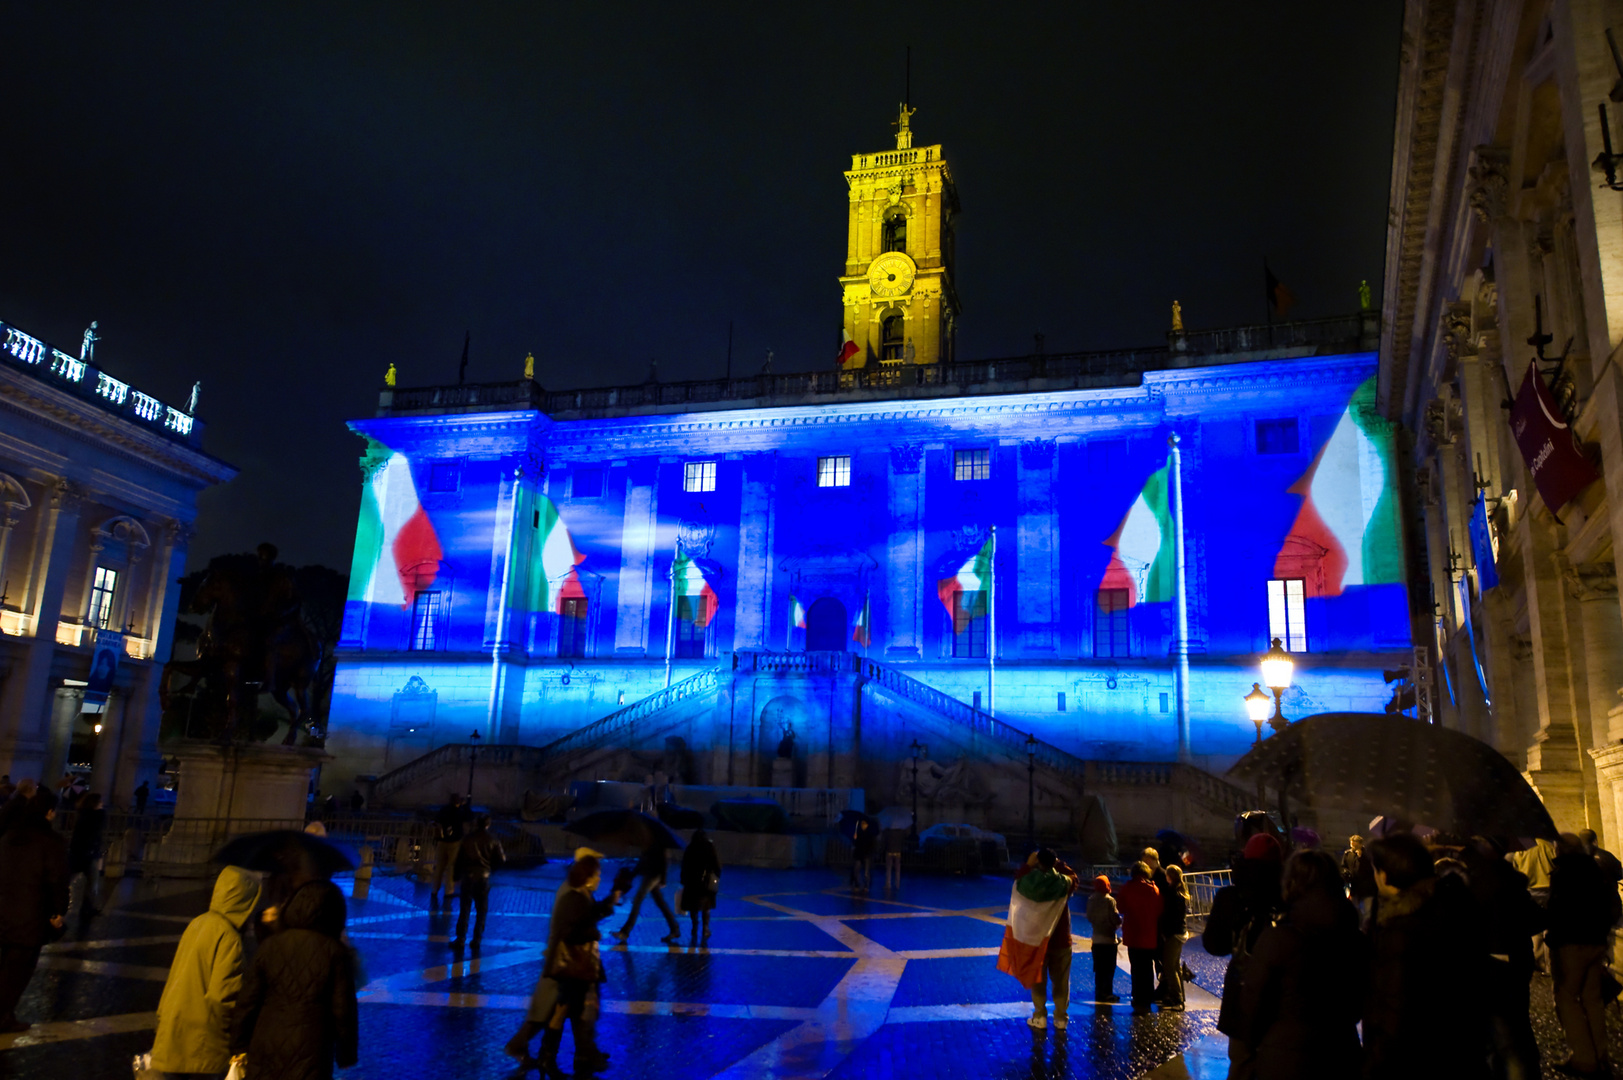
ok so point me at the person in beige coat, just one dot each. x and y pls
(205, 979)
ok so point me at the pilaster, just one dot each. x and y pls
(637, 539)
(905, 555)
(1553, 764)
(1037, 528)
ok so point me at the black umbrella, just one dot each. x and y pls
(849, 820)
(680, 817)
(286, 851)
(1372, 764)
(629, 827)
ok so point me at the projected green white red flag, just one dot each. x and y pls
(553, 578)
(688, 581)
(397, 552)
(1142, 559)
(974, 576)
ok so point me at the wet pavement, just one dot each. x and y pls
(800, 979)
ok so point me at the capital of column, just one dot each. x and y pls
(1037, 453)
(904, 458)
(67, 496)
(1591, 581)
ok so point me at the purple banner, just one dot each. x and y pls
(1559, 470)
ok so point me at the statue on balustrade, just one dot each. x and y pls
(256, 640)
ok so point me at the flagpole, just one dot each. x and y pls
(1181, 598)
(991, 630)
(670, 615)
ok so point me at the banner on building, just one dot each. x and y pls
(1482, 548)
(103, 668)
(1559, 469)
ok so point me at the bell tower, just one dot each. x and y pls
(900, 307)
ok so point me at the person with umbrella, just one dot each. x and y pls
(451, 822)
(205, 981)
(480, 853)
(1240, 914)
(701, 880)
(864, 838)
(33, 897)
(1583, 908)
(651, 869)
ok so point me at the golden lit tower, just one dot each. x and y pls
(900, 306)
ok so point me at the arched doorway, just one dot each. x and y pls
(825, 626)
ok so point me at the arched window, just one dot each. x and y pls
(894, 234)
(892, 337)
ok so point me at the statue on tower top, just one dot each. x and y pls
(904, 132)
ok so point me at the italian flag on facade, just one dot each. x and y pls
(552, 571)
(1143, 548)
(797, 613)
(863, 633)
(687, 579)
(397, 551)
(1349, 504)
(848, 348)
(974, 576)
(1035, 904)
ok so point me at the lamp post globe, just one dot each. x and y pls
(1277, 668)
(1256, 707)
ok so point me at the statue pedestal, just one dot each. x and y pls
(225, 791)
(783, 772)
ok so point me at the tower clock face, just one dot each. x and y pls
(891, 274)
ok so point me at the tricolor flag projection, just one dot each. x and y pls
(688, 581)
(1035, 904)
(863, 633)
(1349, 505)
(1143, 549)
(397, 551)
(797, 613)
(552, 572)
(974, 576)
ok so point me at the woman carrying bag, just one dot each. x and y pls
(701, 880)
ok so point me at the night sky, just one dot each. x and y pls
(282, 199)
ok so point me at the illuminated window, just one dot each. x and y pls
(1287, 613)
(834, 471)
(972, 465)
(425, 621)
(102, 588)
(1277, 436)
(699, 476)
(572, 627)
(893, 338)
(587, 484)
(969, 623)
(445, 476)
(689, 634)
(1110, 636)
(895, 231)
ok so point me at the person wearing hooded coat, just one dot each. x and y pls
(701, 880)
(1240, 914)
(297, 1014)
(1583, 908)
(33, 897)
(1105, 921)
(205, 981)
(1303, 986)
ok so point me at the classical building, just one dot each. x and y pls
(98, 492)
(1504, 306)
(909, 549)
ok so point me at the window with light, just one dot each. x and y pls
(102, 589)
(425, 621)
(699, 476)
(1287, 612)
(972, 465)
(834, 471)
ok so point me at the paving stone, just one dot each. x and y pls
(950, 932)
(72, 995)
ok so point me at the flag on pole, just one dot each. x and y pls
(1143, 557)
(974, 576)
(848, 348)
(397, 551)
(552, 573)
(688, 580)
(1035, 904)
(1349, 504)
(1280, 299)
(863, 632)
(797, 613)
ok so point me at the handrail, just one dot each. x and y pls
(1017, 742)
(433, 761)
(594, 733)
(1203, 784)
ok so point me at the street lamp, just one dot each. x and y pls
(1276, 673)
(473, 756)
(919, 750)
(1256, 707)
(1031, 793)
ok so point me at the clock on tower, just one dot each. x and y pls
(900, 306)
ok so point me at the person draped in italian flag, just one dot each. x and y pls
(1349, 505)
(975, 576)
(688, 580)
(1143, 558)
(862, 634)
(1038, 921)
(397, 551)
(553, 578)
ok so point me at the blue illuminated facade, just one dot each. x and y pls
(514, 567)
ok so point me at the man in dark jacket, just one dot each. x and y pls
(452, 822)
(1510, 918)
(1609, 864)
(1240, 914)
(651, 869)
(1583, 907)
(33, 898)
(480, 854)
(1426, 1014)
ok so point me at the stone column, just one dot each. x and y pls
(1036, 529)
(904, 569)
(129, 737)
(1593, 588)
(753, 616)
(10, 515)
(638, 535)
(25, 717)
(1553, 764)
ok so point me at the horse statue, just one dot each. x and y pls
(256, 640)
